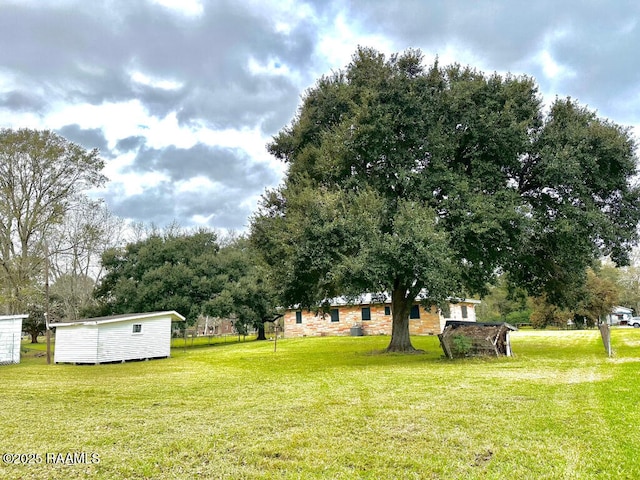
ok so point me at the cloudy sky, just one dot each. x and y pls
(181, 96)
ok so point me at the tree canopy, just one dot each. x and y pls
(429, 181)
(593, 301)
(193, 273)
(246, 296)
(166, 271)
(35, 324)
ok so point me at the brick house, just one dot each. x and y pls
(372, 313)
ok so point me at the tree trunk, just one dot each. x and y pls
(261, 334)
(34, 338)
(400, 309)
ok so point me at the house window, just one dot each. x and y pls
(415, 311)
(335, 316)
(465, 314)
(366, 313)
(298, 317)
(387, 310)
(137, 328)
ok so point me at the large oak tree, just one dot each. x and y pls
(246, 296)
(193, 273)
(173, 270)
(428, 181)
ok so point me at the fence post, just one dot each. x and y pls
(605, 332)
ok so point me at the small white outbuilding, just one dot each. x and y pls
(118, 338)
(10, 337)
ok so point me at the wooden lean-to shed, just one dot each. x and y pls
(468, 339)
(118, 338)
(10, 336)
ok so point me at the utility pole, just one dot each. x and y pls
(46, 301)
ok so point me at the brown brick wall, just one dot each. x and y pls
(314, 325)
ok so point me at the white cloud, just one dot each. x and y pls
(202, 219)
(553, 70)
(340, 40)
(454, 53)
(273, 67)
(185, 7)
(117, 120)
(163, 84)
(13, 119)
(196, 184)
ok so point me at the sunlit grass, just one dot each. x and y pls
(335, 408)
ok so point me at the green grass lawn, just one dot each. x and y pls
(334, 408)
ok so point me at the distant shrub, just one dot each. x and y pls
(519, 316)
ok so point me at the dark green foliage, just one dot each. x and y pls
(175, 271)
(505, 303)
(409, 179)
(576, 183)
(519, 317)
(461, 345)
(190, 273)
(35, 324)
(247, 296)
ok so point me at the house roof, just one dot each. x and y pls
(619, 309)
(381, 298)
(175, 316)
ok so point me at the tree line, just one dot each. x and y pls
(606, 286)
(423, 181)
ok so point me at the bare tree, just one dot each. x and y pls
(41, 175)
(76, 246)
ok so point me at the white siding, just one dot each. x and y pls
(10, 336)
(76, 344)
(113, 341)
(117, 342)
(455, 312)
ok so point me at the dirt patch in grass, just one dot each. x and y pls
(624, 360)
(400, 354)
(550, 377)
(630, 342)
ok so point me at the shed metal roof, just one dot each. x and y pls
(11, 317)
(175, 316)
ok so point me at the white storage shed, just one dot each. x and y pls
(10, 336)
(118, 338)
